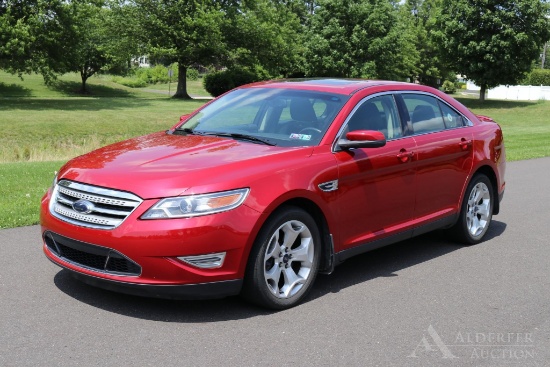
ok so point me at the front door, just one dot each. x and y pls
(376, 185)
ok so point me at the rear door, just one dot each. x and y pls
(444, 154)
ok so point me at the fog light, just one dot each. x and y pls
(209, 261)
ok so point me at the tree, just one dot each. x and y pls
(355, 38)
(187, 32)
(493, 42)
(423, 16)
(265, 35)
(302, 8)
(54, 37)
(545, 56)
(87, 51)
(31, 32)
(124, 36)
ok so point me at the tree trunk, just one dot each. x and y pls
(482, 92)
(181, 91)
(84, 77)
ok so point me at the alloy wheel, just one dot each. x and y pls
(478, 209)
(288, 259)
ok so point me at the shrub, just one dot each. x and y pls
(175, 71)
(192, 74)
(460, 85)
(448, 87)
(143, 74)
(222, 81)
(129, 82)
(159, 74)
(539, 77)
(153, 75)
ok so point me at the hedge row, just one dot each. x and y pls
(539, 77)
(157, 74)
(219, 82)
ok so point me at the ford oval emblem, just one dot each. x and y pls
(83, 206)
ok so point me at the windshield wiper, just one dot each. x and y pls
(242, 137)
(187, 131)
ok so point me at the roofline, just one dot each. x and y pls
(350, 91)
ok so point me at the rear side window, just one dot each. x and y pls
(451, 118)
(425, 113)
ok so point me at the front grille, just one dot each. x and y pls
(91, 206)
(89, 256)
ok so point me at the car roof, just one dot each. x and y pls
(338, 86)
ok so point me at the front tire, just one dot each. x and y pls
(476, 211)
(284, 261)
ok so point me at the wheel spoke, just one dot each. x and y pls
(272, 277)
(476, 226)
(274, 248)
(303, 254)
(292, 281)
(469, 220)
(478, 193)
(472, 198)
(291, 233)
(483, 209)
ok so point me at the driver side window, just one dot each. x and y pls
(379, 114)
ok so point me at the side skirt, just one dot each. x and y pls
(398, 237)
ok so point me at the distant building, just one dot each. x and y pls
(141, 61)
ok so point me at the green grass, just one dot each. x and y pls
(526, 125)
(45, 124)
(194, 88)
(42, 127)
(23, 185)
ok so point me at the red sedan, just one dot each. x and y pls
(261, 189)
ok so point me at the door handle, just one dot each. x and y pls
(465, 144)
(405, 156)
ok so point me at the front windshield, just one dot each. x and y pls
(282, 117)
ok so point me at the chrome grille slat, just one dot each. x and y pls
(96, 199)
(110, 207)
(62, 200)
(89, 218)
(121, 213)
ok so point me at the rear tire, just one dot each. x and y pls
(284, 261)
(476, 211)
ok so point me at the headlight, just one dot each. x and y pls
(195, 205)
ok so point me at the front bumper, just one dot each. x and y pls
(180, 292)
(154, 246)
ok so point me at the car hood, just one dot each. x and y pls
(164, 165)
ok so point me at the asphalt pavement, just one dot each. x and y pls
(422, 302)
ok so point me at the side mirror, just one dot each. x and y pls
(362, 139)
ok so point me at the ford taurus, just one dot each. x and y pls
(261, 189)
